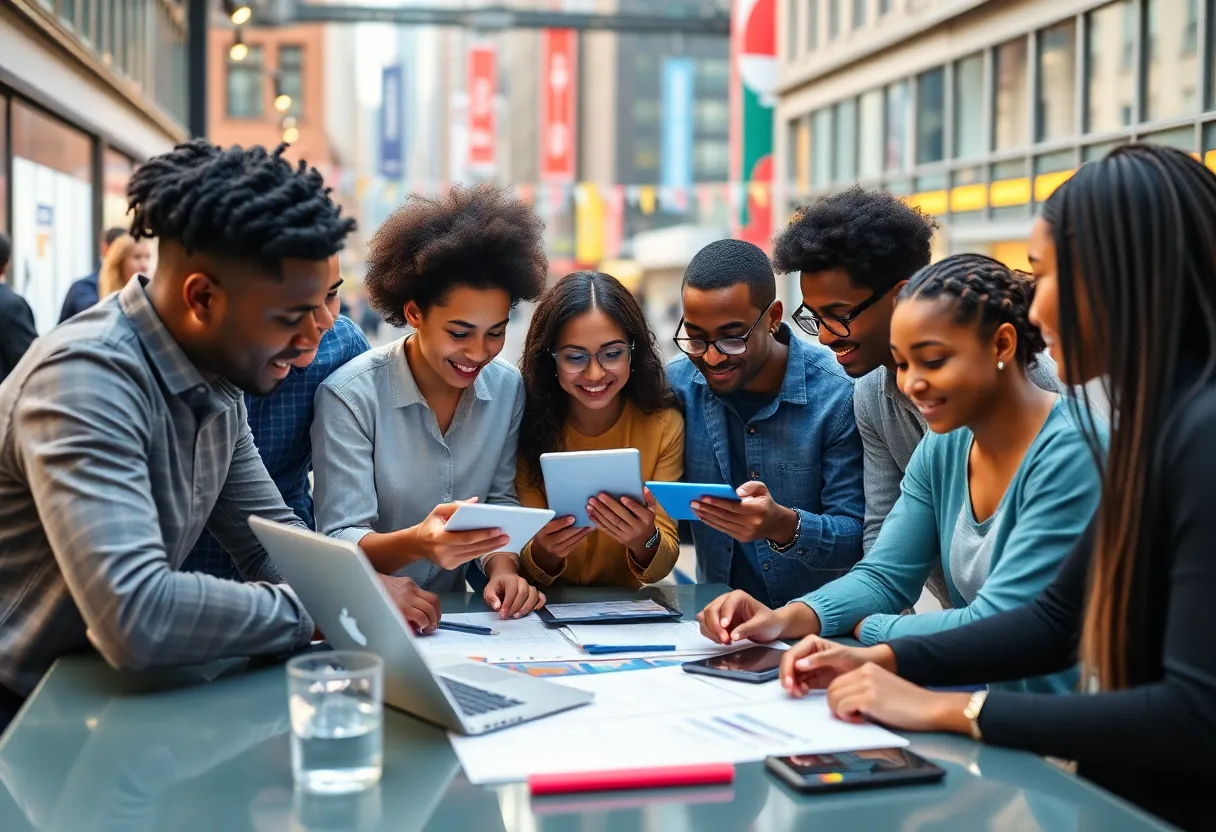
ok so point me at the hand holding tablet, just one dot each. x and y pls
(677, 498)
(518, 524)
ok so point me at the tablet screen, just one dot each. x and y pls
(608, 609)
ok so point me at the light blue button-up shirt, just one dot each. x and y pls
(381, 464)
(804, 446)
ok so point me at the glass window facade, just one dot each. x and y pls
(291, 77)
(860, 8)
(1110, 77)
(846, 141)
(896, 157)
(247, 86)
(812, 25)
(1012, 124)
(969, 120)
(821, 147)
(1172, 59)
(1056, 101)
(931, 116)
(833, 19)
(869, 135)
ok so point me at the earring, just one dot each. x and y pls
(1000, 365)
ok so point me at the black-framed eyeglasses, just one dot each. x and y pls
(612, 359)
(734, 345)
(838, 325)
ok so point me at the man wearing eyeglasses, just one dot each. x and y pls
(854, 251)
(773, 417)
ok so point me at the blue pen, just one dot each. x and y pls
(600, 649)
(471, 629)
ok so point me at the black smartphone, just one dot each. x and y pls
(751, 664)
(854, 770)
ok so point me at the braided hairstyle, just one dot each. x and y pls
(985, 292)
(237, 203)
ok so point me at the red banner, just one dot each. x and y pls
(558, 111)
(483, 86)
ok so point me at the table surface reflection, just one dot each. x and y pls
(206, 748)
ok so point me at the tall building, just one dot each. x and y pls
(977, 111)
(87, 91)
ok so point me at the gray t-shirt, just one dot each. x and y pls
(891, 427)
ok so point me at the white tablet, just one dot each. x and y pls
(574, 477)
(520, 524)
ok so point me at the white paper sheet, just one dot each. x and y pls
(685, 635)
(664, 717)
(524, 639)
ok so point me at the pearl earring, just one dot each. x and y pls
(1000, 365)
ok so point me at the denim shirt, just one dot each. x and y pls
(805, 448)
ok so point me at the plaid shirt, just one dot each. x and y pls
(114, 451)
(280, 423)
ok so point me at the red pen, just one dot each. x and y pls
(712, 774)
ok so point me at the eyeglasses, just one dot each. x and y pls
(838, 325)
(612, 359)
(734, 345)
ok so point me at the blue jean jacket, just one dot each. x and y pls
(805, 448)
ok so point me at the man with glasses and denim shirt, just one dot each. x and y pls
(773, 417)
(854, 251)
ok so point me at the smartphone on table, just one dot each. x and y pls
(751, 664)
(854, 770)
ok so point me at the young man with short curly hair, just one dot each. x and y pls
(404, 432)
(855, 250)
(124, 430)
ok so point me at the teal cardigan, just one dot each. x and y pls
(1049, 502)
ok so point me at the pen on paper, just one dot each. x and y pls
(471, 629)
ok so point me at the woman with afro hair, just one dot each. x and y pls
(406, 432)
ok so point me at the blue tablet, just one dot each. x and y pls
(676, 498)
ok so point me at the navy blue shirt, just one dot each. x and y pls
(281, 423)
(81, 295)
(742, 406)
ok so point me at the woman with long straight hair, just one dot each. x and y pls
(595, 382)
(1125, 263)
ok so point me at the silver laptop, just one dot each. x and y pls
(344, 595)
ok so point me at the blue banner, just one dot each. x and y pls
(675, 170)
(392, 128)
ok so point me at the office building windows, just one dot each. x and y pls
(930, 116)
(821, 147)
(711, 115)
(1111, 79)
(1012, 105)
(846, 141)
(247, 86)
(859, 13)
(1056, 100)
(291, 77)
(812, 25)
(646, 112)
(711, 160)
(833, 19)
(896, 155)
(791, 29)
(884, 6)
(1171, 70)
(869, 135)
(970, 119)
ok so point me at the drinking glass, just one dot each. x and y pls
(336, 701)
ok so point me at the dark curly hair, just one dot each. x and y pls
(547, 404)
(876, 238)
(479, 237)
(240, 202)
(726, 263)
(985, 292)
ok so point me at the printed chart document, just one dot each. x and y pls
(607, 609)
(524, 639)
(664, 717)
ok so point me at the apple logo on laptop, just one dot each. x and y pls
(351, 626)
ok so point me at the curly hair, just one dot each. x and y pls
(547, 404)
(240, 202)
(874, 236)
(479, 237)
(985, 292)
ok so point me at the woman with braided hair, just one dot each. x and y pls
(998, 492)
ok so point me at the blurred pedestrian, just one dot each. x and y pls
(125, 258)
(17, 330)
(83, 292)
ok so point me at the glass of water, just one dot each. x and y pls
(336, 702)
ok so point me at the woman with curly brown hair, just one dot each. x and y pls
(595, 382)
(404, 432)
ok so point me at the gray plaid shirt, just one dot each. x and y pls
(114, 453)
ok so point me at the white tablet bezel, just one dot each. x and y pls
(520, 524)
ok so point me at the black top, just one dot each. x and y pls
(17, 330)
(1155, 742)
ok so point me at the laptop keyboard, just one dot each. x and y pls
(475, 701)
